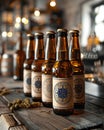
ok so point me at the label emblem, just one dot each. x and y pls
(28, 81)
(62, 92)
(37, 83)
(79, 88)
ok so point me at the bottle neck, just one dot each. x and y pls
(62, 48)
(39, 49)
(50, 49)
(30, 49)
(20, 43)
(74, 52)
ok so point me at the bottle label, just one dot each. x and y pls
(46, 88)
(79, 88)
(36, 84)
(63, 93)
(27, 81)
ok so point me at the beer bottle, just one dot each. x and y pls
(18, 60)
(27, 65)
(78, 71)
(36, 67)
(62, 77)
(50, 55)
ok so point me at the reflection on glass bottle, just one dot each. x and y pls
(62, 77)
(50, 55)
(78, 72)
(36, 67)
(27, 65)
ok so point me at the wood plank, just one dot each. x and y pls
(45, 119)
(87, 120)
(10, 83)
(3, 107)
(95, 100)
(96, 110)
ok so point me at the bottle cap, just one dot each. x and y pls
(74, 31)
(31, 36)
(50, 34)
(39, 35)
(62, 32)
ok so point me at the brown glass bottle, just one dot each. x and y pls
(78, 71)
(62, 77)
(50, 56)
(27, 65)
(18, 60)
(36, 67)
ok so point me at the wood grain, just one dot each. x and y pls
(42, 118)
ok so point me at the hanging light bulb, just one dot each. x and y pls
(52, 3)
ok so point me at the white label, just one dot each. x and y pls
(46, 88)
(79, 88)
(27, 81)
(36, 84)
(63, 93)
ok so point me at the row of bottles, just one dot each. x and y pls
(55, 77)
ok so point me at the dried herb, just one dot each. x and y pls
(4, 91)
(22, 103)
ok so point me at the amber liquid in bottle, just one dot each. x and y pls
(18, 60)
(36, 67)
(62, 77)
(50, 56)
(78, 72)
(27, 65)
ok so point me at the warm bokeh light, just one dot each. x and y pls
(4, 34)
(18, 19)
(53, 3)
(17, 25)
(37, 13)
(25, 20)
(10, 34)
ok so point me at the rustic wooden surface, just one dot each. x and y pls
(43, 118)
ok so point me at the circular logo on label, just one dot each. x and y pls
(37, 83)
(28, 80)
(48, 87)
(79, 88)
(62, 92)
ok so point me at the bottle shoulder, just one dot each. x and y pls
(77, 63)
(78, 67)
(62, 69)
(36, 65)
(19, 56)
(47, 66)
(65, 63)
(27, 63)
(19, 52)
(48, 63)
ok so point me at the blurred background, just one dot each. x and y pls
(42, 15)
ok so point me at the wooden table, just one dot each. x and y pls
(42, 118)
